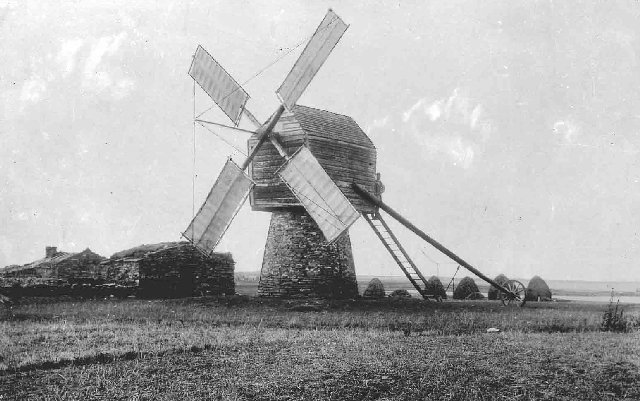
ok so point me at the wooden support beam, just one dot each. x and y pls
(252, 118)
(223, 126)
(263, 135)
(273, 137)
(372, 199)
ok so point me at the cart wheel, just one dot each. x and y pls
(517, 293)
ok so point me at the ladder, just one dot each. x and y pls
(398, 253)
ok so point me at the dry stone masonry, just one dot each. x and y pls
(172, 270)
(298, 261)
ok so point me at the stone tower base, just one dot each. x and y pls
(298, 261)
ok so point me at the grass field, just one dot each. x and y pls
(247, 348)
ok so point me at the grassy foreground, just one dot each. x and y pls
(245, 348)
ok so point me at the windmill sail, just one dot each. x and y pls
(319, 195)
(222, 204)
(218, 84)
(313, 56)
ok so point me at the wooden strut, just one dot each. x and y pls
(264, 133)
(367, 196)
(263, 136)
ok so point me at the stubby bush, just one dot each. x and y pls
(465, 288)
(435, 288)
(493, 291)
(374, 290)
(538, 288)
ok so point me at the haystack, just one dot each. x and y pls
(466, 287)
(400, 294)
(537, 288)
(374, 290)
(493, 291)
(435, 288)
(474, 296)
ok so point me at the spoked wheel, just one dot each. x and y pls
(517, 293)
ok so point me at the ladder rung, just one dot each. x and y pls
(399, 255)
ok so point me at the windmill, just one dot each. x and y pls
(315, 171)
(300, 166)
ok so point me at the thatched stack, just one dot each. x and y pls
(465, 288)
(493, 291)
(400, 294)
(538, 289)
(475, 296)
(434, 288)
(374, 290)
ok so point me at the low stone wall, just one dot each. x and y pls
(17, 287)
(298, 261)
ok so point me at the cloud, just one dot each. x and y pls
(567, 130)
(457, 109)
(96, 76)
(475, 116)
(66, 57)
(455, 126)
(33, 89)
(457, 106)
(459, 150)
(123, 88)
(99, 79)
(378, 123)
(435, 110)
(407, 114)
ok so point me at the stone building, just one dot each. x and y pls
(171, 269)
(66, 266)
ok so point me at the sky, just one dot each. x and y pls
(508, 131)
